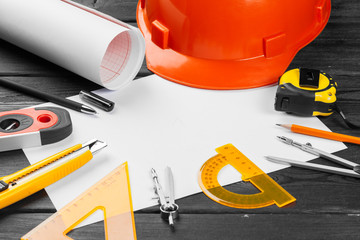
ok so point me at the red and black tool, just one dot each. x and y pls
(33, 127)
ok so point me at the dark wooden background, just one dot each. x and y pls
(328, 206)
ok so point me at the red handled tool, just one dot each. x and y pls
(33, 127)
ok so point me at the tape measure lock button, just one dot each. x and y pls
(44, 118)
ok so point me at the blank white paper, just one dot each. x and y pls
(158, 123)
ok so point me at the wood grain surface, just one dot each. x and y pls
(327, 206)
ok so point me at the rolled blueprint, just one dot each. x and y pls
(82, 40)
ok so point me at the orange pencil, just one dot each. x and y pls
(320, 133)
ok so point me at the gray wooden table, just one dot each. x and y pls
(328, 206)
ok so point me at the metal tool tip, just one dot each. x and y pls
(88, 110)
(282, 138)
(285, 140)
(95, 145)
(357, 169)
(269, 158)
(153, 173)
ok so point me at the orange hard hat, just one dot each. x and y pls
(227, 44)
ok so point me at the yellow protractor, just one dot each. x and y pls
(270, 191)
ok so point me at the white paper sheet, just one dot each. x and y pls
(84, 41)
(158, 123)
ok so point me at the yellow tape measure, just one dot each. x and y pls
(306, 92)
(271, 192)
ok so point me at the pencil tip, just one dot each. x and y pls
(278, 124)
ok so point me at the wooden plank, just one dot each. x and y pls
(61, 86)
(327, 205)
(294, 180)
(315, 193)
(209, 226)
(251, 226)
(338, 42)
(125, 10)
(12, 161)
(18, 62)
(64, 86)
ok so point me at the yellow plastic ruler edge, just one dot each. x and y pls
(93, 199)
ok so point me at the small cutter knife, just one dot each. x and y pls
(33, 127)
(32, 179)
(169, 210)
(354, 170)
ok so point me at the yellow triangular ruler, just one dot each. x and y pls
(111, 195)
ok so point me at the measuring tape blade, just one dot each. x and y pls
(270, 191)
(111, 195)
